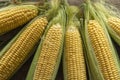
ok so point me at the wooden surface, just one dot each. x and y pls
(21, 73)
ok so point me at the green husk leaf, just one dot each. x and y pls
(114, 35)
(54, 6)
(92, 64)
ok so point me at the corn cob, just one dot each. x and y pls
(20, 49)
(47, 58)
(73, 55)
(103, 52)
(16, 16)
(114, 24)
(49, 54)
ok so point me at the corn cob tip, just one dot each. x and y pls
(114, 23)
